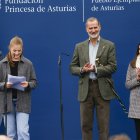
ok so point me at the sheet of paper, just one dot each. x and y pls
(16, 80)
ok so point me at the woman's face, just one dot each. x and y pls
(16, 51)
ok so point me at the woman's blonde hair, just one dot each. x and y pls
(14, 41)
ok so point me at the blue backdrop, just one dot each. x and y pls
(49, 28)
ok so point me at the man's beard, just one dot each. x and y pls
(94, 35)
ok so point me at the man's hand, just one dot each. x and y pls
(88, 68)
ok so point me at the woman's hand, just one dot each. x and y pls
(9, 85)
(24, 84)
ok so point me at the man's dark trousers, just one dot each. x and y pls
(94, 101)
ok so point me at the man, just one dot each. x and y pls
(120, 137)
(94, 61)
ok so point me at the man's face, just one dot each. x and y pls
(93, 29)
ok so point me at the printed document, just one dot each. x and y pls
(16, 80)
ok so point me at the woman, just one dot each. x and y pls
(18, 102)
(133, 84)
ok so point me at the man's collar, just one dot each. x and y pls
(98, 40)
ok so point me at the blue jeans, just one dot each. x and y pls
(17, 125)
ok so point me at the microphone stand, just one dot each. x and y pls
(61, 103)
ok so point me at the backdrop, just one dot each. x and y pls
(51, 27)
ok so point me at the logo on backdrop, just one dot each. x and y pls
(67, 6)
(108, 5)
(38, 6)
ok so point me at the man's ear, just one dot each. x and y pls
(86, 29)
(100, 27)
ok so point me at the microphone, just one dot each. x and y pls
(59, 58)
(66, 54)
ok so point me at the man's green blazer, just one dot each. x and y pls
(105, 65)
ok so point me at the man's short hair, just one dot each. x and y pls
(92, 19)
(120, 137)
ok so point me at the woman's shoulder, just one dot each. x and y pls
(131, 68)
(26, 60)
(3, 60)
